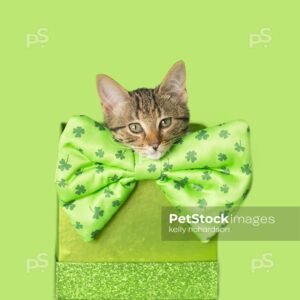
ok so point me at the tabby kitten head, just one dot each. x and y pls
(147, 120)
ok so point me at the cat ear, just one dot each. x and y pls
(174, 82)
(111, 93)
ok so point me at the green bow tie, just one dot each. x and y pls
(95, 174)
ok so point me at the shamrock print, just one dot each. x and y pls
(151, 168)
(78, 225)
(99, 153)
(114, 178)
(225, 170)
(225, 213)
(78, 172)
(224, 188)
(108, 193)
(98, 212)
(206, 176)
(191, 156)
(222, 156)
(78, 131)
(64, 165)
(116, 203)
(228, 205)
(181, 183)
(202, 135)
(99, 168)
(224, 134)
(80, 189)
(70, 205)
(163, 177)
(197, 187)
(62, 183)
(95, 233)
(238, 147)
(120, 154)
(167, 166)
(179, 141)
(246, 169)
(202, 203)
(178, 208)
(100, 126)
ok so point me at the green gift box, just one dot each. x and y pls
(129, 259)
(111, 230)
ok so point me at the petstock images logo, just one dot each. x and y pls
(232, 224)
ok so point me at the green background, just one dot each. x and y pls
(136, 42)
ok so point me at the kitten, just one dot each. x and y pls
(147, 120)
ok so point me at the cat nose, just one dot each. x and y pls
(155, 146)
(153, 140)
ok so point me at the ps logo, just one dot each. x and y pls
(40, 262)
(40, 38)
(263, 37)
(266, 262)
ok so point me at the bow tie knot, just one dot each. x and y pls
(146, 169)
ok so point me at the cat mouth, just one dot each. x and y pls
(155, 155)
(150, 153)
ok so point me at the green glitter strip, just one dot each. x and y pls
(137, 281)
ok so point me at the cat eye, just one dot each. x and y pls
(165, 123)
(135, 128)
